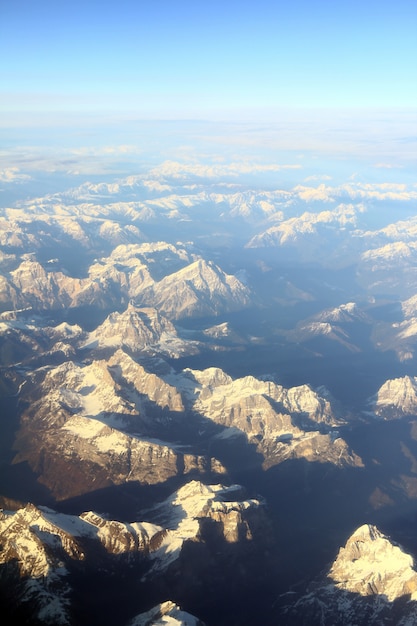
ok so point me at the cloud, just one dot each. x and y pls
(175, 169)
(72, 161)
(381, 191)
(106, 150)
(317, 177)
(356, 191)
(387, 166)
(323, 193)
(13, 175)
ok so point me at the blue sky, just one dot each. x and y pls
(168, 59)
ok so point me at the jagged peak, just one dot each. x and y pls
(371, 564)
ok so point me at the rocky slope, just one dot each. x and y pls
(200, 289)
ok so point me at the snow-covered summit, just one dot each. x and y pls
(40, 545)
(372, 581)
(165, 614)
(139, 329)
(396, 397)
(200, 288)
(348, 312)
(370, 564)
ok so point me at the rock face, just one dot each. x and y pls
(35, 555)
(372, 581)
(40, 547)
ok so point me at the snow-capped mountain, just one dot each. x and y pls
(184, 512)
(336, 324)
(372, 581)
(396, 398)
(345, 313)
(308, 235)
(309, 331)
(196, 289)
(79, 418)
(144, 324)
(282, 423)
(399, 335)
(140, 330)
(200, 289)
(112, 422)
(41, 546)
(370, 564)
(166, 613)
(389, 269)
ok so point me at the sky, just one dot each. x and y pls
(182, 59)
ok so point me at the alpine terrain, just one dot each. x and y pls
(208, 394)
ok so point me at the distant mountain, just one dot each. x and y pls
(345, 313)
(41, 225)
(200, 289)
(337, 324)
(140, 330)
(326, 237)
(400, 335)
(389, 269)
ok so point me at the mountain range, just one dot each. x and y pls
(208, 397)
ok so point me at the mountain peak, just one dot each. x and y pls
(396, 397)
(370, 564)
(166, 613)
